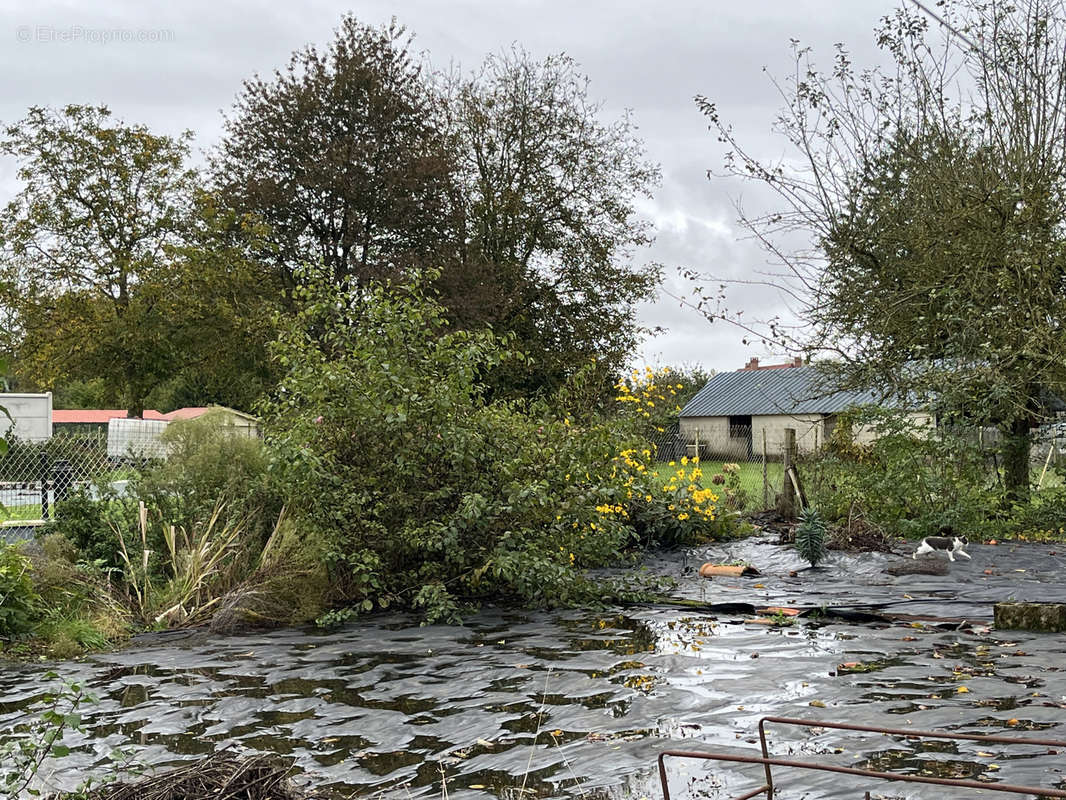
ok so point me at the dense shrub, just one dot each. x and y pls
(668, 504)
(657, 398)
(91, 520)
(1043, 518)
(909, 480)
(426, 493)
(209, 461)
(18, 598)
(77, 609)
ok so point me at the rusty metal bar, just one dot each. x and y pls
(666, 785)
(752, 794)
(1007, 788)
(766, 767)
(847, 726)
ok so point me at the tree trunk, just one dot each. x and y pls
(1016, 460)
(134, 397)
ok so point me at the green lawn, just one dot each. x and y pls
(750, 478)
(30, 511)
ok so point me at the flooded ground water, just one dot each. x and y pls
(579, 704)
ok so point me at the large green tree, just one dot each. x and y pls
(85, 246)
(117, 269)
(922, 212)
(341, 156)
(508, 182)
(225, 299)
(548, 218)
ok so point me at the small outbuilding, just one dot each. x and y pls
(731, 415)
(81, 420)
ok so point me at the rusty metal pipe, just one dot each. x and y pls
(847, 726)
(862, 773)
(753, 793)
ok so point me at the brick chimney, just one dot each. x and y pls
(754, 364)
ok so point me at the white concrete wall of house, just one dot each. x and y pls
(31, 416)
(810, 432)
(714, 438)
(718, 441)
(865, 434)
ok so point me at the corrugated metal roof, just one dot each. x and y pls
(799, 390)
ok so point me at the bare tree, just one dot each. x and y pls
(920, 224)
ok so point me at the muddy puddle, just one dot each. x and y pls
(578, 704)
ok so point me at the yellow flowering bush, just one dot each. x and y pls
(649, 393)
(654, 398)
(428, 492)
(666, 504)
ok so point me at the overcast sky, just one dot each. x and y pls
(178, 66)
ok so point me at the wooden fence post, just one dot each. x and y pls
(765, 474)
(786, 504)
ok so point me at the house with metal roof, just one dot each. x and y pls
(739, 413)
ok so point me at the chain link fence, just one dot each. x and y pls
(34, 476)
(759, 460)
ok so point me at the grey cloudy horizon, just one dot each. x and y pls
(180, 66)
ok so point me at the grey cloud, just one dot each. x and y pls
(651, 57)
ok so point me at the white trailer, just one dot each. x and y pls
(136, 438)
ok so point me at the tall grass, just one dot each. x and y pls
(199, 562)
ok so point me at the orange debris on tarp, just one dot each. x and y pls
(732, 570)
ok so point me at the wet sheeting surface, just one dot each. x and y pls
(581, 703)
(1015, 571)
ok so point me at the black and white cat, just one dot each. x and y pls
(947, 542)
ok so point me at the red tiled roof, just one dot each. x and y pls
(102, 415)
(97, 415)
